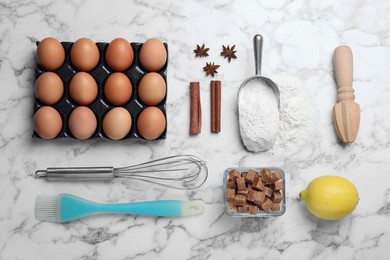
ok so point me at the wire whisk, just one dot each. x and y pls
(185, 172)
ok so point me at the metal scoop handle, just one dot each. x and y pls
(258, 50)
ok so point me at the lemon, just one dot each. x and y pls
(330, 197)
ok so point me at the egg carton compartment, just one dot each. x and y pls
(101, 105)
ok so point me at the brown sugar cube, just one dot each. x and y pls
(240, 200)
(276, 176)
(249, 185)
(230, 194)
(250, 176)
(233, 175)
(243, 174)
(268, 191)
(243, 209)
(253, 209)
(276, 197)
(278, 185)
(231, 184)
(241, 183)
(232, 206)
(266, 175)
(259, 198)
(258, 184)
(259, 208)
(266, 206)
(260, 173)
(243, 192)
(275, 207)
(251, 195)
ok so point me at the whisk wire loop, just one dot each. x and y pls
(179, 171)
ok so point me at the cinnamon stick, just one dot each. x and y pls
(215, 86)
(212, 104)
(195, 109)
(218, 107)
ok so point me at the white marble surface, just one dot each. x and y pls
(300, 37)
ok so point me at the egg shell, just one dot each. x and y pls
(119, 54)
(117, 123)
(151, 123)
(153, 55)
(49, 88)
(152, 89)
(50, 54)
(47, 122)
(118, 89)
(84, 54)
(83, 88)
(82, 123)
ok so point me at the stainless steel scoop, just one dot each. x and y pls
(253, 140)
(262, 81)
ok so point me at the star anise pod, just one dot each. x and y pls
(228, 52)
(211, 68)
(201, 51)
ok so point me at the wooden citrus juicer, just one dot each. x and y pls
(346, 113)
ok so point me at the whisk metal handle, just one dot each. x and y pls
(77, 174)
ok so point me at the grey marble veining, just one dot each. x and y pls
(299, 39)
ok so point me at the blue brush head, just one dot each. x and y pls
(62, 208)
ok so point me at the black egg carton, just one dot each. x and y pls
(101, 105)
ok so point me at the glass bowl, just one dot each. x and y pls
(260, 213)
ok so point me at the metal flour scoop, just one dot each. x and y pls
(257, 111)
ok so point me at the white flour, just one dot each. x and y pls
(259, 116)
(298, 119)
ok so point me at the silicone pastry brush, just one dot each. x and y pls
(346, 113)
(64, 208)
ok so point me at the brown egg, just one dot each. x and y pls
(118, 89)
(47, 122)
(50, 54)
(117, 123)
(49, 88)
(82, 123)
(153, 55)
(151, 123)
(83, 88)
(152, 89)
(119, 54)
(84, 54)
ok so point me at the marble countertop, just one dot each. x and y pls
(299, 39)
